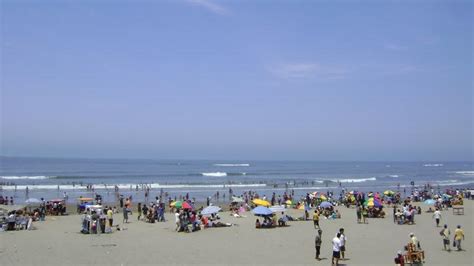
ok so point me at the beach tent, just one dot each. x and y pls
(325, 204)
(277, 208)
(260, 210)
(261, 202)
(210, 210)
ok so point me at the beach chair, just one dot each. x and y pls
(414, 256)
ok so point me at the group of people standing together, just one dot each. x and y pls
(338, 245)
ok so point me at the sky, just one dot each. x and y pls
(208, 79)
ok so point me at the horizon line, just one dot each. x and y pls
(222, 159)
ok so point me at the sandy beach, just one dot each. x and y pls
(57, 241)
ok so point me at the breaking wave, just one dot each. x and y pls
(232, 164)
(126, 186)
(39, 177)
(433, 165)
(215, 174)
(355, 180)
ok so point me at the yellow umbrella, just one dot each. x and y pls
(322, 197)
(261, 202)
(86, 199)
(388, 192)
(288, 202)
(173, 203)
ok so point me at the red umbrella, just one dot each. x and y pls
(186, 205)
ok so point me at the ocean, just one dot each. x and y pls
(50, 178)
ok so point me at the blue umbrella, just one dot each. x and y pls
(429, 202)
(210, 210)
(260, 210)
(325, 204)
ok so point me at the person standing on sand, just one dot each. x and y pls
(437, 216)
(336, 249)
(458, 236)
(343, 240)
(445, 233)
(139, 210)
(316, 219)
(317, 243)
(110, 216)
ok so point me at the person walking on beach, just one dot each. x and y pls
(343, 240)
(437, 216)
(458, 236)
(317, 243)
(316, 219)
(139, 211)
(125, 215)
(445, 233)
(336, 249)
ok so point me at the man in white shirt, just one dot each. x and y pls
(437, 216)
(336, 249)
(343, 240)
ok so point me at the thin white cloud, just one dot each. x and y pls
(307, 70)
(211, 6)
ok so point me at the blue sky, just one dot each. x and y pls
(208, 79)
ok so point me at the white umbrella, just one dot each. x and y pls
(33, 201)
(237, 200)
(210, 210)
(277, 208)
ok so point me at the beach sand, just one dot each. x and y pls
(57, 241)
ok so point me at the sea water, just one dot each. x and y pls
(48, 177)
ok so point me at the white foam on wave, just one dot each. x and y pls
(355, 180)
(125, 186)
(26, 177)
(433, 165)
(468, 173)
(394, 176)
(232, 164)
(215, 174)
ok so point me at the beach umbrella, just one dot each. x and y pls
(322, 197)
(261, 202)
(373, 203)
(429, 202)
(33, 201)
(288, 202)
(277, 208)
(85, 199)
(237, 200)
(210, 210)
(388, 192)
(325, 204)
(181, 204)
(57, 200)
(260, 210)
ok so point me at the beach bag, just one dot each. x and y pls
(441, 233)
(454, 243)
